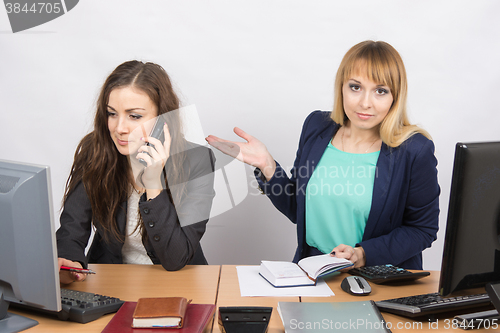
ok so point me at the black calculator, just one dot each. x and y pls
(381, 274)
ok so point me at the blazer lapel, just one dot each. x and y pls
(383, 176)
(318, 148)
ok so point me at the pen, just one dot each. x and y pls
(77, 270)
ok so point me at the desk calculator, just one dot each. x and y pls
(381, 274)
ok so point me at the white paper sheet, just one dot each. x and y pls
(252, 284)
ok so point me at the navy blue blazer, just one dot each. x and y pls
(403, 219)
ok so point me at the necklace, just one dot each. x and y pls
(342, 139)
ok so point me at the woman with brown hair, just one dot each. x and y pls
(364, 182)
(148, 201)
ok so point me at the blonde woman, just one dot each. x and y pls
(364, 182)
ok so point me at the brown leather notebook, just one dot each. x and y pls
(159, 312)
(197, 318)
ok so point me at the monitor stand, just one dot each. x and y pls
(10, 322)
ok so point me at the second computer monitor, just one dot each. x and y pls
(471, 256)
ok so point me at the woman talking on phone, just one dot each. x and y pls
(364, 182)
(147, 198)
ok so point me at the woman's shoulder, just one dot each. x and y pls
(77, 195)
(319, 116)
(193, 149)
(417, 144)
(199, 155)
(317, 121)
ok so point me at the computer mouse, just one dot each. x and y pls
(356, 285)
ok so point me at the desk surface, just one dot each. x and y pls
(219, 285)
(380, 292)
(229, 295)
(131, 282)
(397, 323)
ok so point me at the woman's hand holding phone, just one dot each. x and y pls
(155, 154)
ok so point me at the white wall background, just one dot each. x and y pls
(260, 65)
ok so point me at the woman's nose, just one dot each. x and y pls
(366, 100)
(122, 126)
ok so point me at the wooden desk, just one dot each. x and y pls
(219, 285)
(229, 295)
(425, 285)
(131, 282)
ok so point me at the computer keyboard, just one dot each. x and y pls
(386, 273)
(84, 307)
(79, 306)
(419, 305)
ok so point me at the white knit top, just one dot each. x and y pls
(133, 251)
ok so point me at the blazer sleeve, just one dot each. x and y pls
(74, 232)
(281, 189)
(175, 229)
(420, 218)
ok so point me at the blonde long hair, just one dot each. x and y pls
(385, 66)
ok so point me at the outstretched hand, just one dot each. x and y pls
(252, 152)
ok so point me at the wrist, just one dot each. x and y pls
(152, 193)
(360, 254)
(151, 183)
(268, 169)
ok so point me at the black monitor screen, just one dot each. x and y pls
(471, 256)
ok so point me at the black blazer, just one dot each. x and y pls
(173, 234)
(403, 219)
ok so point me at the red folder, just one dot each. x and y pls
(197, 317)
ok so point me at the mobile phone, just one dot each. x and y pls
(156, 132)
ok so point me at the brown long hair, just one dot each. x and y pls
(105, 172)
(383, 65)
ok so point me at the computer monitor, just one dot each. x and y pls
(29, 272)
(471, 256)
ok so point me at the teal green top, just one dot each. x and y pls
(339, 198)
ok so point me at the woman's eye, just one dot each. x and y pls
(111, 114)
(135, 116)
(354, 87)
(382, 91)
